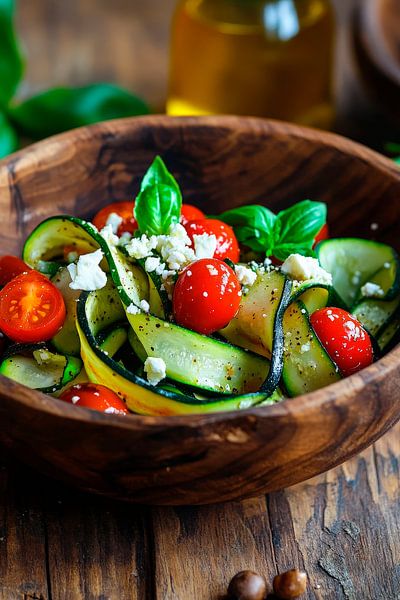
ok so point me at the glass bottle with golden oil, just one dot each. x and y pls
(270, 58)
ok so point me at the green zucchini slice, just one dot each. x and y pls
(306, 365)
(38, 368)
(66, 341)
(94, 315)
(353, 262)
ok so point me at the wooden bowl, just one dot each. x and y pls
(220, 162)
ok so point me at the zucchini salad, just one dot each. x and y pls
(155, 309)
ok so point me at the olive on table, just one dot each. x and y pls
(290, 584)
(247, 585)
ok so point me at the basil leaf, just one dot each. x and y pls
(159, 203)
(8, 137)
(60, 109)
(253, 225)
(11, 63)
(300, 223)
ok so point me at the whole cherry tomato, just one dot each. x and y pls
(227, 244)
(10, 267)
(344, 338)
(122, 209)
(95, 396)
(190, 213)
(206, 296)
(32, 309)
(322, 235)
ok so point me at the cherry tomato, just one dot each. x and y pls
(10, 267)
(122, 209)
(190, 213)
(32, 309)
(344, 338)
(227, 244)
(95, 396)
(206, 296)
(322, 235)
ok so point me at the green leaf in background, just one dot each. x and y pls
(300, 223)
(253, 224)
(60, 109)
(159, 202)
(8, 137)
(11, 63)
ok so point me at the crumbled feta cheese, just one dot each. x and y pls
(141, 247)
(125, 238)
(155, 369)
(303, 268)
(175, 248)
(205, 245)
(210, 268)
(75, 399)
(205, 294)
(305, 348)
(372, 290)
(109, 236)
(151, 264)
(111, 410)
(387, 265)
(132, 309)
(114, 221)
(145, 306)
(246, 276)
(86, 274)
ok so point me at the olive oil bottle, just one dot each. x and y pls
(269, 58)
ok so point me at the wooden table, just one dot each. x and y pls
(55, 543)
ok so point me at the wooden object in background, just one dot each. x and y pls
(220, 162)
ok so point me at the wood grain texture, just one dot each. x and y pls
(219, 162)
(76, 43)
(341, 527)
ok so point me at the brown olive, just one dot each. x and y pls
(247, 585)
(290, 584)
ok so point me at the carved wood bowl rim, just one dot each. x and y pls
(338, 392)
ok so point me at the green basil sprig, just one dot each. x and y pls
(54, 110)
(291, 231)
(159, 202)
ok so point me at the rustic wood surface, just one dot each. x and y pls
(57, 544)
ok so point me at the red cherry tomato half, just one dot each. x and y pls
(322, 235)
(32, 309)
(206, 296)
(190, 213)
(344, 338)
(95, 396)
(10, 267)
(227, 244)
(122, 209)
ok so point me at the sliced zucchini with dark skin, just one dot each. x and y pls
(353, 262)
(141, 397)
(136, 345)
(66, 340)
(48, 240)
(113, 341)
(306, 365)
(374, 315)
(38, 368)
(160, 304)
(389, 335)
(313, 297)
(261, 309)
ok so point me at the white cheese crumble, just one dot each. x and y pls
(114, 221)
(86, 274)
(303, 268)
(111, 410)
(109, 236)
(145, 306)
(75, 399)
(151, 264)
(141, 247)
(132, 309)
(372, 290)
(205, 245)
(245, 275)
(155, 369)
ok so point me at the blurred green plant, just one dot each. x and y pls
(54, 110)
(393, 148)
